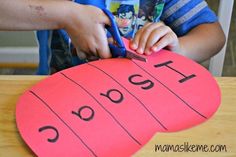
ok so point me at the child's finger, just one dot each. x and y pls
(145, 35)
(111, 40)
(154, 37)
(163, 42)
(102, 48)
(135, 42)
(92, 58)
(81, 55)
(106, 20)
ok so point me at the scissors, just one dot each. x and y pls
(119, 49)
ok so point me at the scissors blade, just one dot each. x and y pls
(133, 55)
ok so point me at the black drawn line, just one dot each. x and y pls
(144, 106)
(166, 64)
(113, 117)
(171, 91)
(186, 78)
(37, 96)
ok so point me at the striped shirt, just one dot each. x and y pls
(180, 15)
(183, 15)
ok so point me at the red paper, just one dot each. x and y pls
(113, 107)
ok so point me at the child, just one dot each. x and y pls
(187, 27)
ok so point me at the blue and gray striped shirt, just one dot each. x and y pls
(183, 15)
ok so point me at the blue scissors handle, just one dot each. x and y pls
(119, 49)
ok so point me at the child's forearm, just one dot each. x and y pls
(32, 14)
(83, 23)
(202, 42)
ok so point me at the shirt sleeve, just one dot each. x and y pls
(183, 15)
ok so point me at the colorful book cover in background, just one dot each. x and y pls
(132, 15)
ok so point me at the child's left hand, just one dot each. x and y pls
(153, 37)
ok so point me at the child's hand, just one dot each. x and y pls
(85, 26)
(153, 37)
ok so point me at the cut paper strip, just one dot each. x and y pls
(113, 107)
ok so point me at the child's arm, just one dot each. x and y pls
(199, 44)
(203, 42)
(84, 24)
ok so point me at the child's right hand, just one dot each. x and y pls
(153, 37)
(85, 26)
